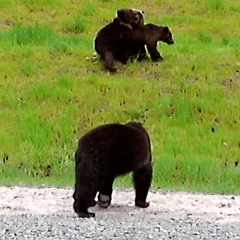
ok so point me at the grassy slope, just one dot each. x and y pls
(53, 89)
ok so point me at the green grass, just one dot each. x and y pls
(54, 89)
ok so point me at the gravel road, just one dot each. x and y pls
(46, 213)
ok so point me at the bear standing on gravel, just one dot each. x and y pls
(106, 152)
(149, 35)
(109, 39)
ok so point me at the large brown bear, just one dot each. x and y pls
(106, 152)
(149, 35)
(109, 39)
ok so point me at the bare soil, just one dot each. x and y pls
(44, 200)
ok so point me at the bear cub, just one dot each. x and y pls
(149, 35)
(106, 152)
(109, 39)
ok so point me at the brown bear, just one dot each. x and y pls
(108, 39)
(106, 152)
(148, 34)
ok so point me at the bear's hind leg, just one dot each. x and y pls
(109, 61)
(142, 53)
(105, 194)
(82, 202)
(142, 181)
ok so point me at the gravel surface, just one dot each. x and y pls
(46, 213)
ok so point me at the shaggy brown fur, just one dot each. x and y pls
(106, 152)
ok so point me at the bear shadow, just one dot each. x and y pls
(116, 210)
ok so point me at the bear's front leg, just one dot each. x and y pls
(155, 55)
(142, 180)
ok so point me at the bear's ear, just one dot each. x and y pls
(166, 29)
(121, 14)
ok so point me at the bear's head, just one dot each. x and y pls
(167, 36)
(130, 17)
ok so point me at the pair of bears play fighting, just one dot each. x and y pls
(126, 36)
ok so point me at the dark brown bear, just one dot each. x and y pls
(108, 39)
(149, 35)
(106, 152)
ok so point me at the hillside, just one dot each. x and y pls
(54, 89)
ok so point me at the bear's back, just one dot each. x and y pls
(119, 145)
(111, 35)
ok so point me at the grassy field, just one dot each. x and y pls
(54, 89)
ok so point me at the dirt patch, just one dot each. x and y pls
(167, 204)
